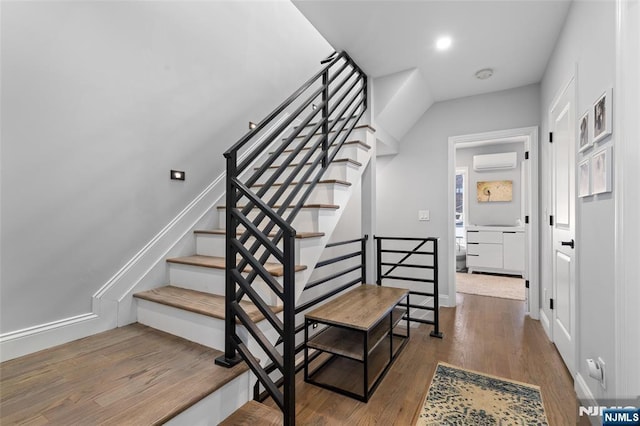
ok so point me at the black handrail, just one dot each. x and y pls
(336, 97)
(413, 253)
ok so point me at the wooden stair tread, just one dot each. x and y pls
(254, 413)
(299, 235)
(327, 181)
(129, 375)
(338, 160)
(216, 262)
(208, 304)
(306, 206)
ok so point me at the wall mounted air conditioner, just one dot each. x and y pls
(501, 161)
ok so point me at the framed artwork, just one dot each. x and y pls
(601, 171)
(602, 116)
(584, 178)
(494, 191)
(584, 133)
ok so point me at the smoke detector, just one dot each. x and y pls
(484, 73)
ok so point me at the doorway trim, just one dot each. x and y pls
(528, 135)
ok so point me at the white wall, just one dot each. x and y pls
(627, 176)
(586, 47)
(415, 179)
(498, 213)
(99, 101)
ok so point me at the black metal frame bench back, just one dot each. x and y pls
(424, 247)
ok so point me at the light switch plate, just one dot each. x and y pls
(423, 215)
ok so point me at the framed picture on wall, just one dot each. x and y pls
(584, 177)
(602, 116)
(601, 171)
(494, 191)
(584, 133)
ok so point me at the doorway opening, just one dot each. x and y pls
(492, 225)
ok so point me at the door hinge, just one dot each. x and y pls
(551, 304)
(526, 284)
(551, 220)
(550, 137)
(526, 219)
(526, 155)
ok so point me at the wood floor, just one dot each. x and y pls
(133, 375)
(485, 334)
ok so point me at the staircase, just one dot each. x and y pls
(288, 181)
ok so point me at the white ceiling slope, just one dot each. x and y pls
(514, 37)
(399, 101)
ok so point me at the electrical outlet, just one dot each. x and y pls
(603, 382)
(423, 215)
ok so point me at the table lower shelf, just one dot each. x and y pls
(345, 375)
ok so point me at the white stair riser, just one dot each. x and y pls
(197, 278)
(323, 193)
(352, 151)
(307, 220)
(217, 406)
(214, 245)
(340, 171)
(202, 329)
(197, 328)
(211, 280)
(357, 134)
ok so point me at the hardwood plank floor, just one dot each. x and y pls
(485, 334)
(133, 375)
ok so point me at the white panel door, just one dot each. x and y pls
(563, 229)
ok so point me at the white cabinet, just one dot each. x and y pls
(500, 250)
(484, 249)
(513, 248)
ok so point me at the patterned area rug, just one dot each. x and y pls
(490, 285)
(462, 397)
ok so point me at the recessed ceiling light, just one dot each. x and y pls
(443, 43)
(484, 73)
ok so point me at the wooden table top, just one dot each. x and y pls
(360, 308)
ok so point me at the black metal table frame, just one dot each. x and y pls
(367, 388)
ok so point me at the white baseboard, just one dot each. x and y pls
(443, 299)
(585, 397)
(546, 324)
(22, 342)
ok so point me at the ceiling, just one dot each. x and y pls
(514, 37)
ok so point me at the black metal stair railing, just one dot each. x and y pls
(262, 203)
(349, 269)
(425, 258)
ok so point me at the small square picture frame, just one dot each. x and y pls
(584, 178)
(584, 132)
(602, 116)
(601, 171)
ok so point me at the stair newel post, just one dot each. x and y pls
(363, 258)
(230, 357)
(436, 294)
(365, 90)
(378, 260)
(325, 117)
(289, 321)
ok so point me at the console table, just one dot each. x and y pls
(359, 341)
